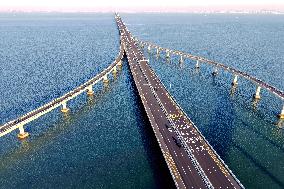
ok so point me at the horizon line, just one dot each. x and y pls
(264, 11)
(137, 9)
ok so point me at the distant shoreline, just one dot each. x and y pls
(147, 12)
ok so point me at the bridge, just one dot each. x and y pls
(61, 101)
(236, 73)
(191, 160)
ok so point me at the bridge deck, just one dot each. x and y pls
(191, 160)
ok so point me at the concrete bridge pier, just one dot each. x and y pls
(257, 93)
(168, 54)
(64, 107)
(90, 91)
(22, 133)
(124, 47)
(215, 71)
(280, 123)
(197, 64)
(105, 79)
(149, 48)
(235, 81)
(181, 60)
(281, 115)
(158, 52)
(119, 64)
(114, 70)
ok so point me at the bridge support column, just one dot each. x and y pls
(197, 64)
(168, 54)
(22, 133)
(181, 60)
(64, 107)
(124, 46)
(158, 51)
(281, 115)
(114, 70)
(257, 93)
(105, 79)
(235, 81)
(119, 63)
(90, 91)
(215, 71)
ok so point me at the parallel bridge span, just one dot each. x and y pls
(261, 84)
(234, 71)
(61, 101)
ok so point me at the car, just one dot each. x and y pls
(177, 141)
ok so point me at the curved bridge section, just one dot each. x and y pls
(61, 101)
(192, 162)
(237, 73)
(200, 59)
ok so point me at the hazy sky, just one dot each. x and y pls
(141, 5)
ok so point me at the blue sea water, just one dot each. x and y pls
(107, 141)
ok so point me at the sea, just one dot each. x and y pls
(106, 141)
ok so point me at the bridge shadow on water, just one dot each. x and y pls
(258, 164)
(220, 127)
(224, 119)
(263, 136)
(55, 130)
(162, 176)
